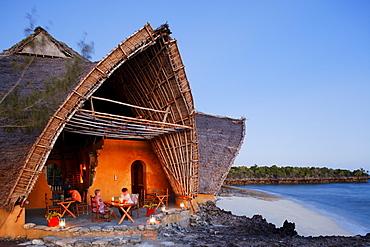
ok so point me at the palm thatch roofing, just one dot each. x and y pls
(47, 88)
(219, 142)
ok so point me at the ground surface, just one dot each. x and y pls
(215, 227)
(212, 226)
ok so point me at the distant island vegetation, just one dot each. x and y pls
(255, 174)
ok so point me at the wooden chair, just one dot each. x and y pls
(49, 207)
(95, 211)
(145, 198)
(167, 195)
(93, 208)
(82, 207)
(135, 200)
(153, 196)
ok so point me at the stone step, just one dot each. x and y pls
(124, 240)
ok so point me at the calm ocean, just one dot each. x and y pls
(346, 203)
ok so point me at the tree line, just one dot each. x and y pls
(255, 171)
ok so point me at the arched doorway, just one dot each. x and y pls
(137, 177)
(53, 175)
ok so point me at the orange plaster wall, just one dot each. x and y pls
(37, 195)
(3, 217)
(116, 158)
(10, 228)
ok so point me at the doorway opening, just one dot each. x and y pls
(53, 175)
(137, 177)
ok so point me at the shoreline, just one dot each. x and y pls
(247, 181)
(276, 210)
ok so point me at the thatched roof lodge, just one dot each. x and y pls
(125, 121)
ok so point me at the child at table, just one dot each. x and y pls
(101, 206)
(126, 198)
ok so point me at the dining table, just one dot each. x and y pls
(55, 201)
(125, 207)
(64, 205)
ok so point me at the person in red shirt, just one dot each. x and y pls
(75, 196)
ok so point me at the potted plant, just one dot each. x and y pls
(150, 208)
(53, 218)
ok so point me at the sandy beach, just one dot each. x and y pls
(276, 210)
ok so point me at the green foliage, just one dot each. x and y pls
(52, 214)
(32, 19)
(242, 172)
(150, 205)
(86, 49)
(54, 174)
(32, 111)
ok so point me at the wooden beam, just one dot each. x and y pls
(125, 104)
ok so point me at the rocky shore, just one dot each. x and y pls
(212, 226)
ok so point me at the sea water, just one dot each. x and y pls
(346, 203)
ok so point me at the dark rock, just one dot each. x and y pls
(212, 226)
(288, 229)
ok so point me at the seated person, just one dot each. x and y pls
(126, 198)
(75, 196)
(102, 208)
(66, 187)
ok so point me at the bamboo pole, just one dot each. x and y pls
(121, 124)
(112, 116)
(125, 104)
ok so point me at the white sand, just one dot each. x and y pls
(307, 222)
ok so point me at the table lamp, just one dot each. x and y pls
(152, 219)
(62, 223)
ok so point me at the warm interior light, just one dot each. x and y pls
(163, 208)
(62, 223)
(81, 174)
(112, 199)
(84, 168)
(182, 205)
(152, 219)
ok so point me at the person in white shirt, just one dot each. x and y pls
(126, 198)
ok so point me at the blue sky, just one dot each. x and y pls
(299, 71)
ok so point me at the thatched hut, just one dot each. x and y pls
(125, 121)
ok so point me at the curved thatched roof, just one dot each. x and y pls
(144, 72)
(147, 71)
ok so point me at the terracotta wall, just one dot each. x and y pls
(116, 157)
(3, 217)
(9, 226)
(37, 195)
